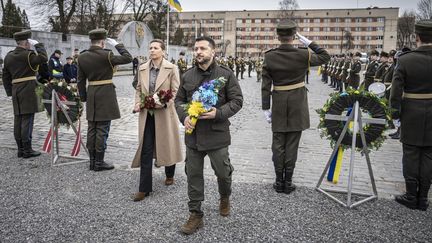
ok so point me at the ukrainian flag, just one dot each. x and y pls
(175, 4)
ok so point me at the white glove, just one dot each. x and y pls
(112, 41)
(32, 42)
(304, 40)
(396, 123)
(268, 116)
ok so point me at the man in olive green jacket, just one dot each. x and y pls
(285, 68)
(96, 67)
(19, 80)
(411, 99)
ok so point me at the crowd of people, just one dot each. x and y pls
(284, 103)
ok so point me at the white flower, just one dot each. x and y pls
(60, 84)
(156, 99)
(69, 87)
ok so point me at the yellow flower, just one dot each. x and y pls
(356, 92)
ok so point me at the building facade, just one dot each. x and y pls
(250, 33)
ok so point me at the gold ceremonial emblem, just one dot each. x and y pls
(139, 34)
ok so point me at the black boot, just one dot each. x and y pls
(100, 164)
(289, 185)
(20, 148)
(423, 201)
(28, 152)
(279, 183)
(409, 199)
(92, 154)
(395, 135)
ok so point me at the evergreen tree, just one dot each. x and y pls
(12, 20)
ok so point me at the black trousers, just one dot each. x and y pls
(97, 135)
(417, 164)
(285, 148)
(23, 127)
(148, 147)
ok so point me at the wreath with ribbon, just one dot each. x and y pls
(342, 103)
(66, 93)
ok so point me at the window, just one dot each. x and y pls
(369, 20)
(337, 20)
(358, 20)
(379, 46)
(380, 37)
(317, 21)
(267, 21)
(348, 20)
(248, 21)
(326, 20)
(306, 29)
(358, 28)
(337, 29)
(316, 29)
(381, 19)
(369, 29)
(258, 21)
(380, 28)
(239, 21)
(327, 29)
(306, 20)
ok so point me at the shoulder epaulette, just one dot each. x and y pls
(270, 50)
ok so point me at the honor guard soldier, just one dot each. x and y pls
(284, 69)
(371, 69)
(258, 69)
(19, 80)
(354, 72)
(411, 98)
(231, 63)
(181, 63)
(96, 67)
(383, 67)
(250, 65)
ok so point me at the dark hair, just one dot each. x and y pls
(162, 44)
(206, 38)
(285, 38)
(425, 38)
(96, 42)
(76, 49)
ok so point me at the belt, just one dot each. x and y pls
(19, 80)
(417, 96)
(100, 82)
(387, 83)
(289, 87)
(377, 79)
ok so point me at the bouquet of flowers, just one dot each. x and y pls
(161, 98)
(204, 99)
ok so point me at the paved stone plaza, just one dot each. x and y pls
(41, 203)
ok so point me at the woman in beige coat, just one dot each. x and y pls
(159, 136)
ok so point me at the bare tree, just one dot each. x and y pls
(287, 8)
(405, 30)
(424, 9)
(141, 8)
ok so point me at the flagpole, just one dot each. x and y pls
(168, 30)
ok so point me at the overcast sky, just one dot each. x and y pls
(39, 21)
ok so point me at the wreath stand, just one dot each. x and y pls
(358, 121)
(57, 103)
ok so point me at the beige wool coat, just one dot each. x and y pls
(167, 136)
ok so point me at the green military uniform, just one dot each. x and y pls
(387, 77)
(238, 66)
(250, 65)
(242, 67)
(284, 68)
(96, 67)
(231, 63)
(19, 80)
(354, 74)
(344, 72)
(258, 69)
(210, 137)
(181, 63)
(382, 69)
(371, 69)
(411, 97)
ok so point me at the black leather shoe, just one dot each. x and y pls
(289, 187)
(100, 163)
(28, 152)
(423, 204)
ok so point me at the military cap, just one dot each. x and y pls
(182, 53)
(67, 58)
(384, 54)
(58, 52)
(358, 54)
(392, 53)
(22, 35)
(98, 34)
(286, 27)
(423, 27)
(374, 53)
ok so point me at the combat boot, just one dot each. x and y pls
(100, 164)
(224, 206)
(20, 148)
(289, 185)
(28, 152)
(194, 222)
(279, 183)
(409, 199)
(423, 201)
(92, 155)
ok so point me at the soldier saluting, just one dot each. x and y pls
(411, 98)
(96, 67)
(19, 79)
(285, 68)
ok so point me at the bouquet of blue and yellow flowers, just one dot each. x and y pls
(204, 99)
